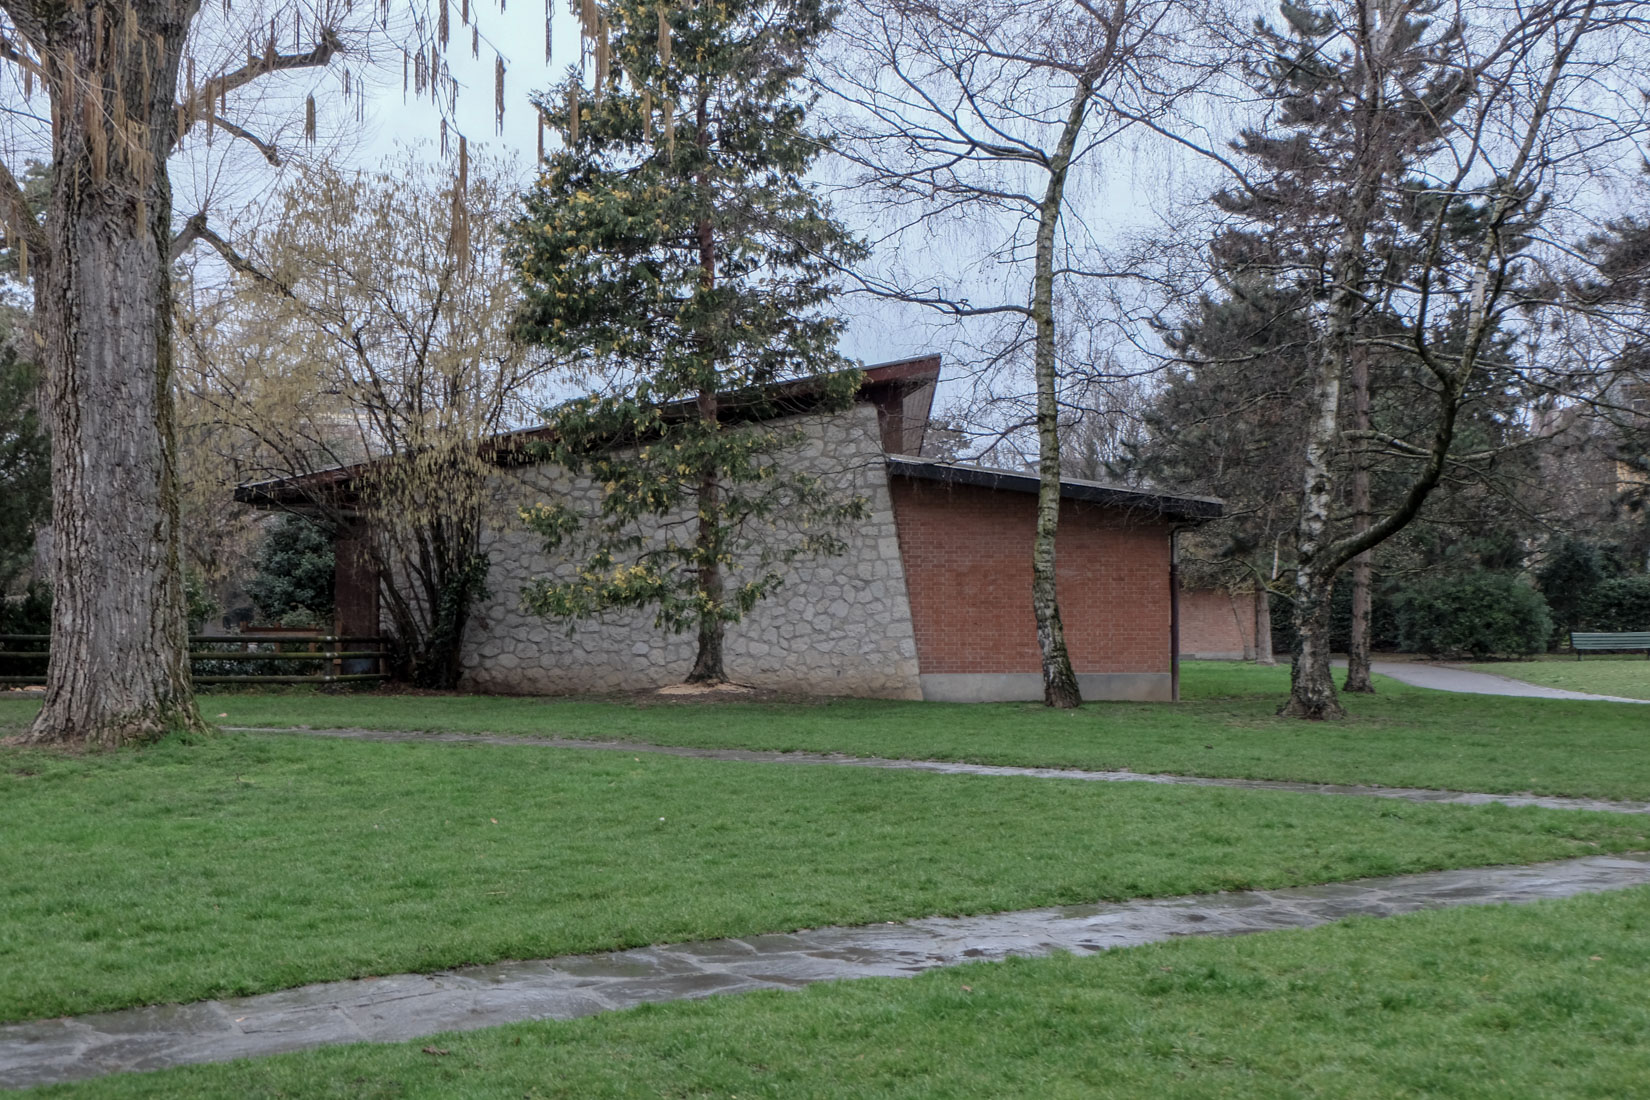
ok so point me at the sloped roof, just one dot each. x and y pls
(1167, 505)
(902, 391)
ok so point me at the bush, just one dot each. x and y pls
(1479, 614)
(30, 613)
(1573, 570)
(294, 573)
(1619, 604)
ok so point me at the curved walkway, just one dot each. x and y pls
(945, 767)
(1445, 678)
(407, 1006)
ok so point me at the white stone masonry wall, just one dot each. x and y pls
(837, 626)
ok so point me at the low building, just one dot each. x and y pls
(932, 599)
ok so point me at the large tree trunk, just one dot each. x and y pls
(1059, 681)
(1357, 647)
(119, 668)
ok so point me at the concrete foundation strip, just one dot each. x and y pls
(407, 1006)
(1406, 794)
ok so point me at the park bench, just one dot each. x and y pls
(1635, 639)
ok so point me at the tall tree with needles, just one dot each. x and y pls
(673, 248)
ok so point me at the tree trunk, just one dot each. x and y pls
(1357, 646)
(119, 668)
(1311, 682)
(1059, 681)
(708, 667)
(1263, 627)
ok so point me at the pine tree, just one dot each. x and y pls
(672, 248)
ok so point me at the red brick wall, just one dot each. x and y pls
(1215, 623)
(967, 554)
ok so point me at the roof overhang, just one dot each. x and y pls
(1155, 505)
(902, 391)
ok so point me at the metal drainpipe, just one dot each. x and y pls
(1174, 614)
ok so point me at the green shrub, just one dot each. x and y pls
(294, 573)
(1478, 614)
(30, 613)
(1619, 604)
(1572, 570)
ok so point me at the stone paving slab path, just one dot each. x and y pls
(945, 767)
(408, 1006)
(1465, 680)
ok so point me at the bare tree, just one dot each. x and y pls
(978, 112)
(368, 370)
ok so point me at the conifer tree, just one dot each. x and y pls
(672, 249)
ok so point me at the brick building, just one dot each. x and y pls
(1217, 625)
(932, 599)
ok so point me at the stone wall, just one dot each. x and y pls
(838, 626)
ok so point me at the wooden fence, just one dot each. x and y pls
(234, 659)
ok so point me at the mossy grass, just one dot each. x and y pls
(252, 863)
(1482, 1003)
(1227, 726)
(1627, 677)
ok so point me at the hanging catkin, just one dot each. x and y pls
(475, 40)
(22, 259)
(443, 137)
(441, 25)
(463, 164)
(573, 113)
(541, 137)
(647, 116)
(602, 56)
(309, 119)
(498, 91)
(664, 39)
(667, 109)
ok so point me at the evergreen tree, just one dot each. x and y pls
(294, 573)
(672, 249)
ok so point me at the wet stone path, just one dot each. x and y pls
(408, 1006)
(1406, 794)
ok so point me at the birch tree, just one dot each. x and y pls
(979, 113)
(1457, 142)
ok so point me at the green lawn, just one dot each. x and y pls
(1227, 726)
(249, 863)
(1545, 1000)
(1628, 677)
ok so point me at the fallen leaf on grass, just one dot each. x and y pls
(437, 1051)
